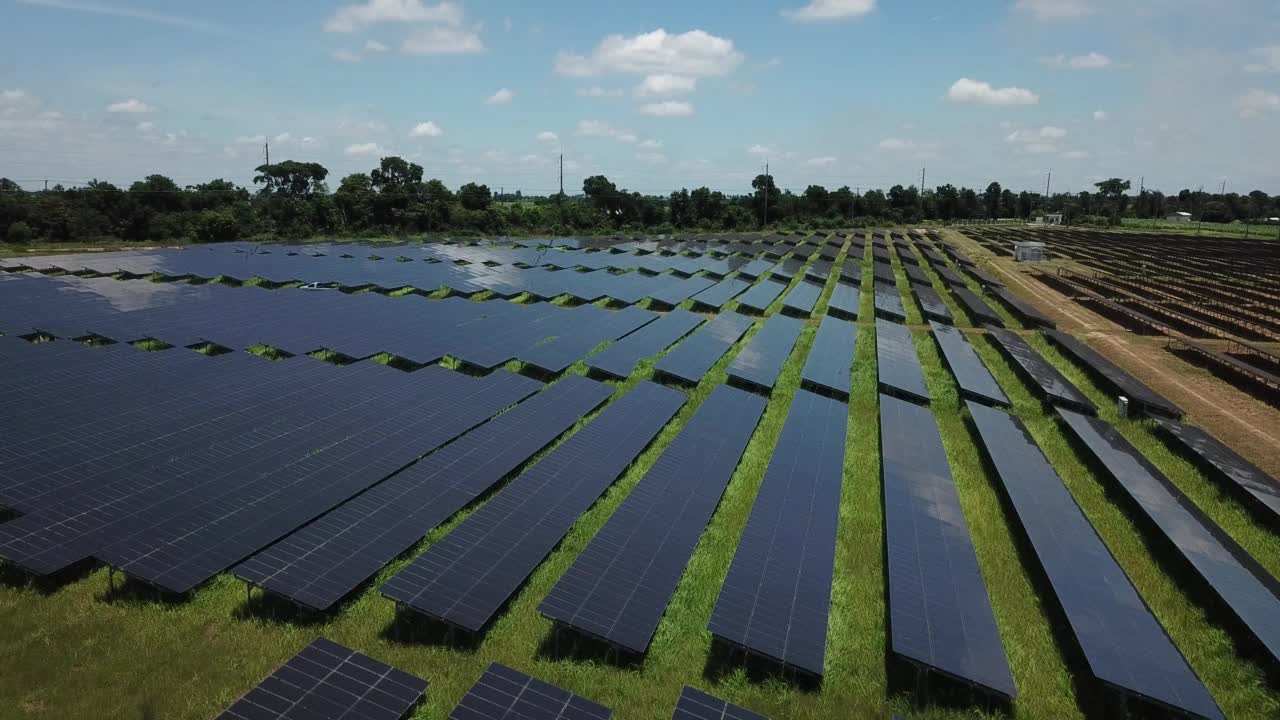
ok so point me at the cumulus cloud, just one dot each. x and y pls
(426, 129)
(1037, 140)
(761, 150)
(502, 97)
(820, 161)
(147, 126)
(599, 92)
(363, 150)
(1268, 60)
(666, 84)
(1092, 61)
(651, 144)
(670, 108)
(353, 18)
(897, 144)
(548, 137)
(346, 56)
(1099, 114)
(287, 138)
(651, 158)
(822, 10)
(692, 54)
(594, 128)
(1257, 102)
(1054, 9)
(375, 46)
(442, 40)
(965, 90)
(132, 105)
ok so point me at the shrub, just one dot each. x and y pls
(20, 233)
(216, 226)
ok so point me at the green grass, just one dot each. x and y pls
(70, 650)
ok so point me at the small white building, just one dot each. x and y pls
(1030, 252)
(1179, 217)
(1047, 219)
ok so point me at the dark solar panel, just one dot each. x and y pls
(802, 298)
(1230, 574)
(469, 574)
(619, 586)
(761, 296)
(1025, 311)
(949, 276)
(931, 305)
(758, 365)
(851, 269)
(977, 308)
(327, 680)
(917, 276)
(829, 367)
(691, 359)
(820, 270)
(884, 274)
(1259, 488)
(620, 359)
(889, 303)
(697, 705)
(1124, 644)
(777, 595)
(899, 364)
(722, 292)
(1050, 383)
(321, 563)
(787, 269)
(939, 612)
(845, 301)
(505, 694)
(971, 375)
(755, 269)
(1115, 376)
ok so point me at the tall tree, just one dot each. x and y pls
(766, 199)
(991, 200)
(292, 178)
(475, 197)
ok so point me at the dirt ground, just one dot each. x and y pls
(1250, 426)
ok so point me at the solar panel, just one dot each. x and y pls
(884, 274)
(971, 375)
(776, 597)
(619, 586)
(691, 359)
(931, 305)
(829, 367)
(851, 269)
(1050, 383)
(939, 612)
(1025, 311)
(916, 276)
(761, 296)
(1258, 488)
(977, 308)
(557, 355)
(1116, 377)
(1123, 643)
(949, 276)
(505, 694)
(327, 680)
(697, 705)
(787, 269)
(820, 270)
(620, 359)
(889, 303)
(845, 301)
(321, 563)
(754, 269)
(758, 365)
(802, 298)
(722, 292)
(899, 364)
(469, 574)
(1237, 580)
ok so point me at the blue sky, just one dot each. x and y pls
(657, 95)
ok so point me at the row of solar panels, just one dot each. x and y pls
(328, 680)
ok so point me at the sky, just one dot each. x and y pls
(657, 95)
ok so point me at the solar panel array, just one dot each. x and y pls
(931, 305)
(761, 296)
(758, 365)
(689, 361)
(971, 375)
(470, 573)
(802, 298)
(619, 586)
(776, 597)
(1052, 385)
(502, 693)
(1124, 644)
(327, 680)
(845, 302)
(898, 362)
(1120, 380)
(621, 358)
(939, 613)
(976, 307)
(321, 563)
(889, 303)
(697, 705)
(718, 295)
(1261, 490)
(828, 370)
(1232, 575)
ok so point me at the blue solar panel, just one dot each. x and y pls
(502, 693)
(971, 375)
(828, 370)
(761, 296)
(845, 301)
(697, 705)
(1049, 382)
(889, 303)
(620, 359)
(758, 365)
(1258, 488)
(691, 359)
(802, 298)
(899, 363)
(1114, 376)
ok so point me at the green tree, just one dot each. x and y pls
(766, 199)
(991, 200)
(19, 233)
(292, 179)
(395, 176)
(475, 197)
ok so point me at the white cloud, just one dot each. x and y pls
(502, 97)
(897, 144)
(145, 127)
(1099, 114)
(442, 40)
(693, 54)
(251, 139)
(1092, 61)
(1257, 102)
(820, 161)
(761, 150)
(548, 137)
(599, 92)
(132, 105)
(1055, 9)
(346, 56)
(1075, 155)
(1269, 60)
(426, 129)
(363, 150)
(651, 144)
(820, 10)
(965, 90)
(666, 84)
(651, 158)
(375, 46)
(594, 128)
(287, 138)
(670, 108)
(353, 18)
(774, 62)
(97, 8)
(1039, 140)
(12, 96)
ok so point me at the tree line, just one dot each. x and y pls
(293, 199)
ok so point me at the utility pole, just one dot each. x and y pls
(922, 194)
(1200, 219)
(266, 150)
(560, 197)
(1224, 187)
(1047, 180)
(766, 193)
